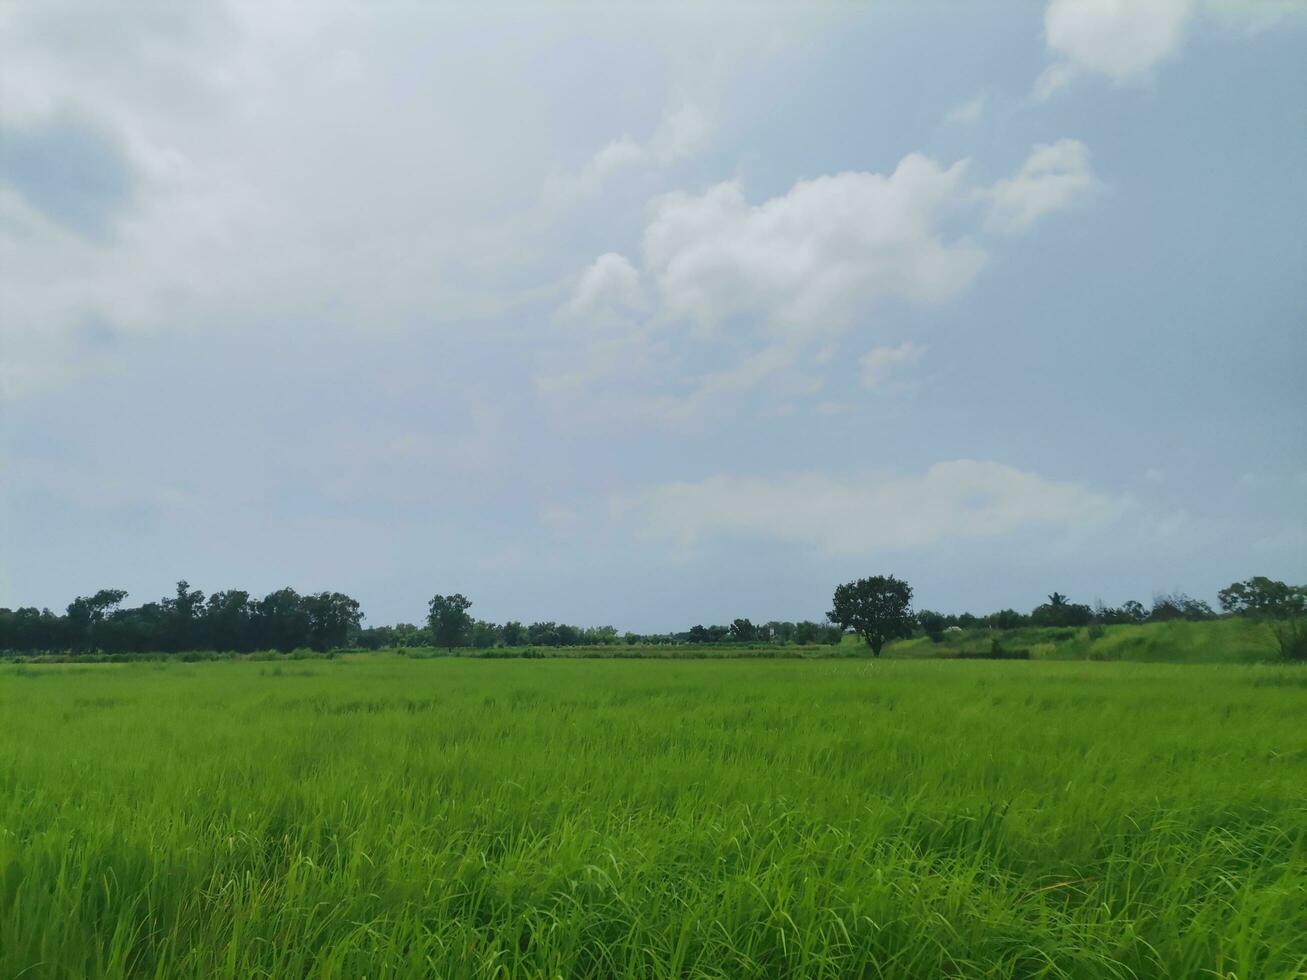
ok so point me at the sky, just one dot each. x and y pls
(652, 315)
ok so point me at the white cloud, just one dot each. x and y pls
(1054, 177)
(1125, 40)
(339, 170)
(880, 363)
(807, 260)
(969, 112)
(1121, 39)
(617, 155)
(683, 132)
(608, 290)
(802, 265)
(858, 515)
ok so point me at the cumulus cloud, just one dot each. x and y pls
(808, 259)
(1055, 176)
(880, 363)
(608, 290)
(1120, 39)
(854, 515)
(804, 264)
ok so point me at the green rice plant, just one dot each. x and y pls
(384, 816)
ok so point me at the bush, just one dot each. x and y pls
(932, 623)
(1291, 635)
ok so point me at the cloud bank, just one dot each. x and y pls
(867, 515)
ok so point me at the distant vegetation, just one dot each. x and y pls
(876, 609)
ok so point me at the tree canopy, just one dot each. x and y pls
(878, 609)
(449, 620)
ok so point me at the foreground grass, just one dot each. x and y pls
(385, 817)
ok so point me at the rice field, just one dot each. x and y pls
(390, 817)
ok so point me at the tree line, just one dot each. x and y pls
(228, 621)
(1060, 611)
(879, 609)
(450, 624)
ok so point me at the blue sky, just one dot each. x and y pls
(653, 316)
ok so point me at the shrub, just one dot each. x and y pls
(1291, 635)
(932, 623)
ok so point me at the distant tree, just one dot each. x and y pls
(449, 620)
(1177, 605)
(184, 612)
(878, 609)
(332, 618)
(1134, 610)
(514, 633)
(39, 630)
(280, 621)
(376, 638)
(543, 635)
(1283, 608)
(1059, 612)
(932, 623)
(86, 613)
(410, 635)
(599, 635)
(743, 631)
(806, 632)
(228, 620)
(484, 635)
(782, 631)
(698, 634)
(1258, 595)
(1005, 619)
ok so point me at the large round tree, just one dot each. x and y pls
(878, 609)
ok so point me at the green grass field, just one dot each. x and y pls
(388, 817)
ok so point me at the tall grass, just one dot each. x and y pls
(385, 817)
(1233, 640)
